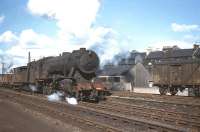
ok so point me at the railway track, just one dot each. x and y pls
(165, 105)
(97, 120)
(185, 100)
(177, 119)
(56, 110)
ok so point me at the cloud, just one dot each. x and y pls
(7, 36)
(76, 28)
(2, 17)
(74, 17)
(191, 38)
(28, 40)
(104, 41)
(76, 22)
(184, 28)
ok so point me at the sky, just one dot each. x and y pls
(109, 27)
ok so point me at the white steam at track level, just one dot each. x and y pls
(57, 96)
(72, 100)
(33, 88)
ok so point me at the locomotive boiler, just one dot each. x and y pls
(80, 64)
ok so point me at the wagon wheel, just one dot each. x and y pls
(163, 90)
(173, 91)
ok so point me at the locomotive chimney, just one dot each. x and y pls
(82, 50)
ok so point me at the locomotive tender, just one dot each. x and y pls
(175, 69)
(70, 72)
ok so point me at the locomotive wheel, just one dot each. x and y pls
(94, 95)
(163, 90)
(101, 96)
(173, 91)
(80, 96)
(196, 92)
(96, 99)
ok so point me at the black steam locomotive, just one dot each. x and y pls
(71, 73)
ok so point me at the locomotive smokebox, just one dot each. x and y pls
(88, 62)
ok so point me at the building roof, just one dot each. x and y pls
(155, 55)
(134, 54)
(181, 53)
(170, 54)
(115, 70)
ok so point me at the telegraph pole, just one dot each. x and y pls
(28, 67)
(2, 70)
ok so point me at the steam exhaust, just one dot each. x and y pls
(55, 97)
(72, 101)
(58, 96)
(33, 88)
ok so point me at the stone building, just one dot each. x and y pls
(127, 74)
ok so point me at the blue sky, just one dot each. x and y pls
(18, 18)
(107, 26)
(145, 20)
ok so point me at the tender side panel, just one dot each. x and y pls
(160, 74)
(165, 74)
(6, 79)
(19, 76)
(175, 74)
(187, 74)
(194, 74)
(156, 74)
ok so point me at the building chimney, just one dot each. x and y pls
(195, 46)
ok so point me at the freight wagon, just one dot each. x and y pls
(175, 69)
(171, 76)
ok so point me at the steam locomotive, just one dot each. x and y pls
(71, 73)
